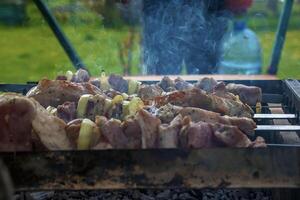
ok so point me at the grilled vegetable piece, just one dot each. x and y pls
(247, 94)
(149, 125)
(133, 86)
(134, 105)
(90, 133)
(56, 92)
(85, 134)
(82, 105)
(199, 99)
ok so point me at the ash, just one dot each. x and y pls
(172, 194)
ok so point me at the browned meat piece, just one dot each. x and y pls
(220, 91)
(118, 83)
(248, 94)
(16, 115)
(168, 134)
(245, 124)
(149, 92)
(180, 84)
(133, 132)
(183, 134)
(20, 116)
(166, 84)
(100, 121)
(54, 93)
(50, 129)
(67, 111)
(81, 76)
(102, 145)
(200, 135)
(230, 136)
(203, 134)
(207, 84)
(149, 125)
(61, 78)
(113, 132)
(258, 143)
(199, 99)
(96, 82)
(72, 130)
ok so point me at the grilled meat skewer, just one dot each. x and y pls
(199, 99)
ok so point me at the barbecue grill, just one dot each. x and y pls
(277, 166)
(274, 167)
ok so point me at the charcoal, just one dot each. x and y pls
(152, 194)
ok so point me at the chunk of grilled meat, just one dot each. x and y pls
(133, 132)
(149, 92)
(247, 125)
(207, 84)
(16, 115)
(180, 84)
(203, 134)
(199, 99)
(67, 111)
(169, 134)
(230, 136)
(168, 112)
(149, 125)
(118, 83)
(248, 94)
(114, 134)
(19, 116)
(50, 129)
(56, 92)
(220, 91)
(167, 84)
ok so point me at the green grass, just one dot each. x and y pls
(31, 52)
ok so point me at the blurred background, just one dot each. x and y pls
(107, 36)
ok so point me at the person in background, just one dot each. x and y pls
(178, 33)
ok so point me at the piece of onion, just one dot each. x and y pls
(85, 134)
(82, 105)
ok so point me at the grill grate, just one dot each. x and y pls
(272, 167)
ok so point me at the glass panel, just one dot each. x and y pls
(139, 37)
